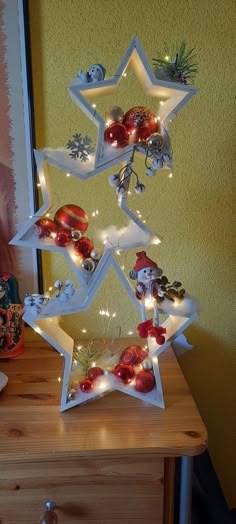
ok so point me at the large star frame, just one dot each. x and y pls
(174, 97)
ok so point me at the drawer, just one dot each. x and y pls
(110, 488)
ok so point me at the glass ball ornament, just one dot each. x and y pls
(124, 372)
(83, 247)
(116, 114)
(94, 373)
(140, 123)
(76, 235)
(155, 142)
(147, 364)
(88, 264)
(46, 228)
(63, 238)
(116, 135)
(71, 217)
(86, 385)
(96, 255)
(71, 394)
(144, 382)
(139, 188)
(133, 355)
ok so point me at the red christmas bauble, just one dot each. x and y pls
(133, 355)
(116, 134)
(94, 373)
(86, 385)
(83, 247)
(71, 217)
(145, 381)
(140, 123)
(124, 372)
(46, 228)
(63, 238)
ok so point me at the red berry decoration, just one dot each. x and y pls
(46, 228)
(145, 382)
(116, 134)
(86, 385)
(83, 247)
(124, 372)
(70, 216)
(63, 238)
(140, 123)
(94, 373)
(133, 355)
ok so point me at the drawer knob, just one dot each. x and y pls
(49, 516)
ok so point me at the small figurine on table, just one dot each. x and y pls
(11, 323)
(146, 272)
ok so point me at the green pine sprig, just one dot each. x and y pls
(180, 63)
(86, 355)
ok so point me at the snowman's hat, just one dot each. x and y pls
(143, 261)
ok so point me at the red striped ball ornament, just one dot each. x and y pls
(70, 217)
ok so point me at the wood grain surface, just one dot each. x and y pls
(32, 426)
(110, 461)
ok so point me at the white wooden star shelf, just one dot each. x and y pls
(134, 235)
(169, 98)
(173, 97)
(51, 331)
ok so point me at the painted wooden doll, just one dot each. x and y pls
(11, 323)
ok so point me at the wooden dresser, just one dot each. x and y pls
(109, 461)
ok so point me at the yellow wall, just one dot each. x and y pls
(193, 212)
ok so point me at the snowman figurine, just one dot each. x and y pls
(146, 271)
(96, 73)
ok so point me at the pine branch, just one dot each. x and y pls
(86, 355)
(180, 65)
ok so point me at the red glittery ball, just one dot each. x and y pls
(71, 217)
(94, 373)
(124, 372)
(83, 247)
(46, 228)
(86, 385)
(133, 355)
(116, 134)
(145, 382)
(63, 238)
(140, 123)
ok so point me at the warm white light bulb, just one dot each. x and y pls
(84, 330)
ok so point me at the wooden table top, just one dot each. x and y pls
(32, 427)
